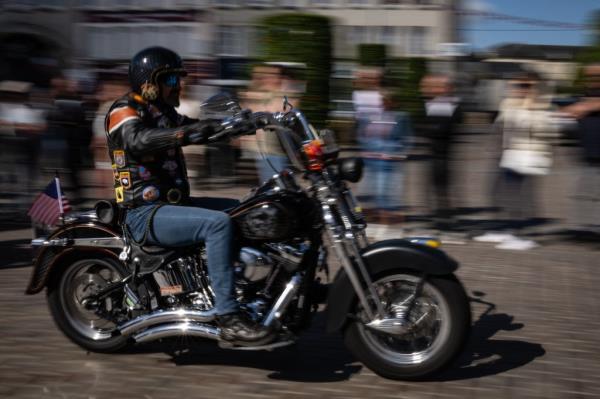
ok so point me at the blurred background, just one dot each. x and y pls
(448, 101)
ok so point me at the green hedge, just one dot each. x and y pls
(403, 76)
(307, 39)
(372, 54)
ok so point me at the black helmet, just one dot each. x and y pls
(147, 65)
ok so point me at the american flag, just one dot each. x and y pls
(49, 205)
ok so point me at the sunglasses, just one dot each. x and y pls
(171, 80)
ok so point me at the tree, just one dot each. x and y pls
(306, 39)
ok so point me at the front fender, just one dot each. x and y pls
(378, 258)
(49, 257)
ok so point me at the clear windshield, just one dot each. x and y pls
(219, 106)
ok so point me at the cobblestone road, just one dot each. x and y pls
(535, 335)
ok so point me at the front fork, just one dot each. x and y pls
(349, 256)
(346, 243)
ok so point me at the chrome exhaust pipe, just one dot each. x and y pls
(177, 330)
(164, 316)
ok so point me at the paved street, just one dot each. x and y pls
(535, 331)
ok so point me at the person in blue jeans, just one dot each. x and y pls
(145, 135)
(385, 140)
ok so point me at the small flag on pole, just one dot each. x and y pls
(49, 205)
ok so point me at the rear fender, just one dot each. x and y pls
(379, 258)
(50, 257)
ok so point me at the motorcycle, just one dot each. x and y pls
(401, 310)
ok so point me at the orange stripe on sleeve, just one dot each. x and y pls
(119, 116)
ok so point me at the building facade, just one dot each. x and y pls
(114, 29)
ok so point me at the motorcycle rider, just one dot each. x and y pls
(145, 135)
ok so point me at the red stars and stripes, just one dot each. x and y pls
(49, 205)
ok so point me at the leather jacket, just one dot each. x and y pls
(144, 142)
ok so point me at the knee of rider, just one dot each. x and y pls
(223, 223)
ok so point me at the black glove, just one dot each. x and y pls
(199, 132)
(261, 119)
(240, 124)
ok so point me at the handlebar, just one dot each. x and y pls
(243, 123)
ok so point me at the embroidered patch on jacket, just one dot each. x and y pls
(119, 158)
(125, 179)
(119, 194)
(150, 193)
(144, 173)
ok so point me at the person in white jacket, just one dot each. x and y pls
(526, 129)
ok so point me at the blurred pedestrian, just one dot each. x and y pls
(526, 130)
(22, 125)
(367, 97)
(442, 117)
(586, 204)
(270, 83)
(384, 139)
(68, 135)
(367, 101)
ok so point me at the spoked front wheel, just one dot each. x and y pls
(428, 319)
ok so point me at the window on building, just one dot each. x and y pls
(388, 35)
(259, 3)
(318, 3)
(418, 41)
(358, 2)
(233, 40)
(226, 3)
(357, 34)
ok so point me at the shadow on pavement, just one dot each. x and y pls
(485, 356)
(316, 357)
(15, 253)
(583, 237)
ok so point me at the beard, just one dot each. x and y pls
(172, 98)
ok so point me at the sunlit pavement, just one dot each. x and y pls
(535, 334)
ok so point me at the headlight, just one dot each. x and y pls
(350, 169)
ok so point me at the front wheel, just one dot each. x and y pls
(435, 315)
(89, 323)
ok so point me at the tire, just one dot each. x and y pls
(386, 354)
(75, 280)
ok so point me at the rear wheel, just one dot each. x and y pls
(435, 326)
(88, 322)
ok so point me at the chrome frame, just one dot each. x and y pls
(346, 241)
(102, 242)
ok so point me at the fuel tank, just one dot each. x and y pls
(273, 213)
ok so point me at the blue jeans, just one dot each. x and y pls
(385, 185)
(180, 226)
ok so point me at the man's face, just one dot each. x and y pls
(170, 88)
(521, 88)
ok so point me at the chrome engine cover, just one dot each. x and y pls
(255, 265)
(182, 277)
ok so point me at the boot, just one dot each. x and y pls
(239, 328)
